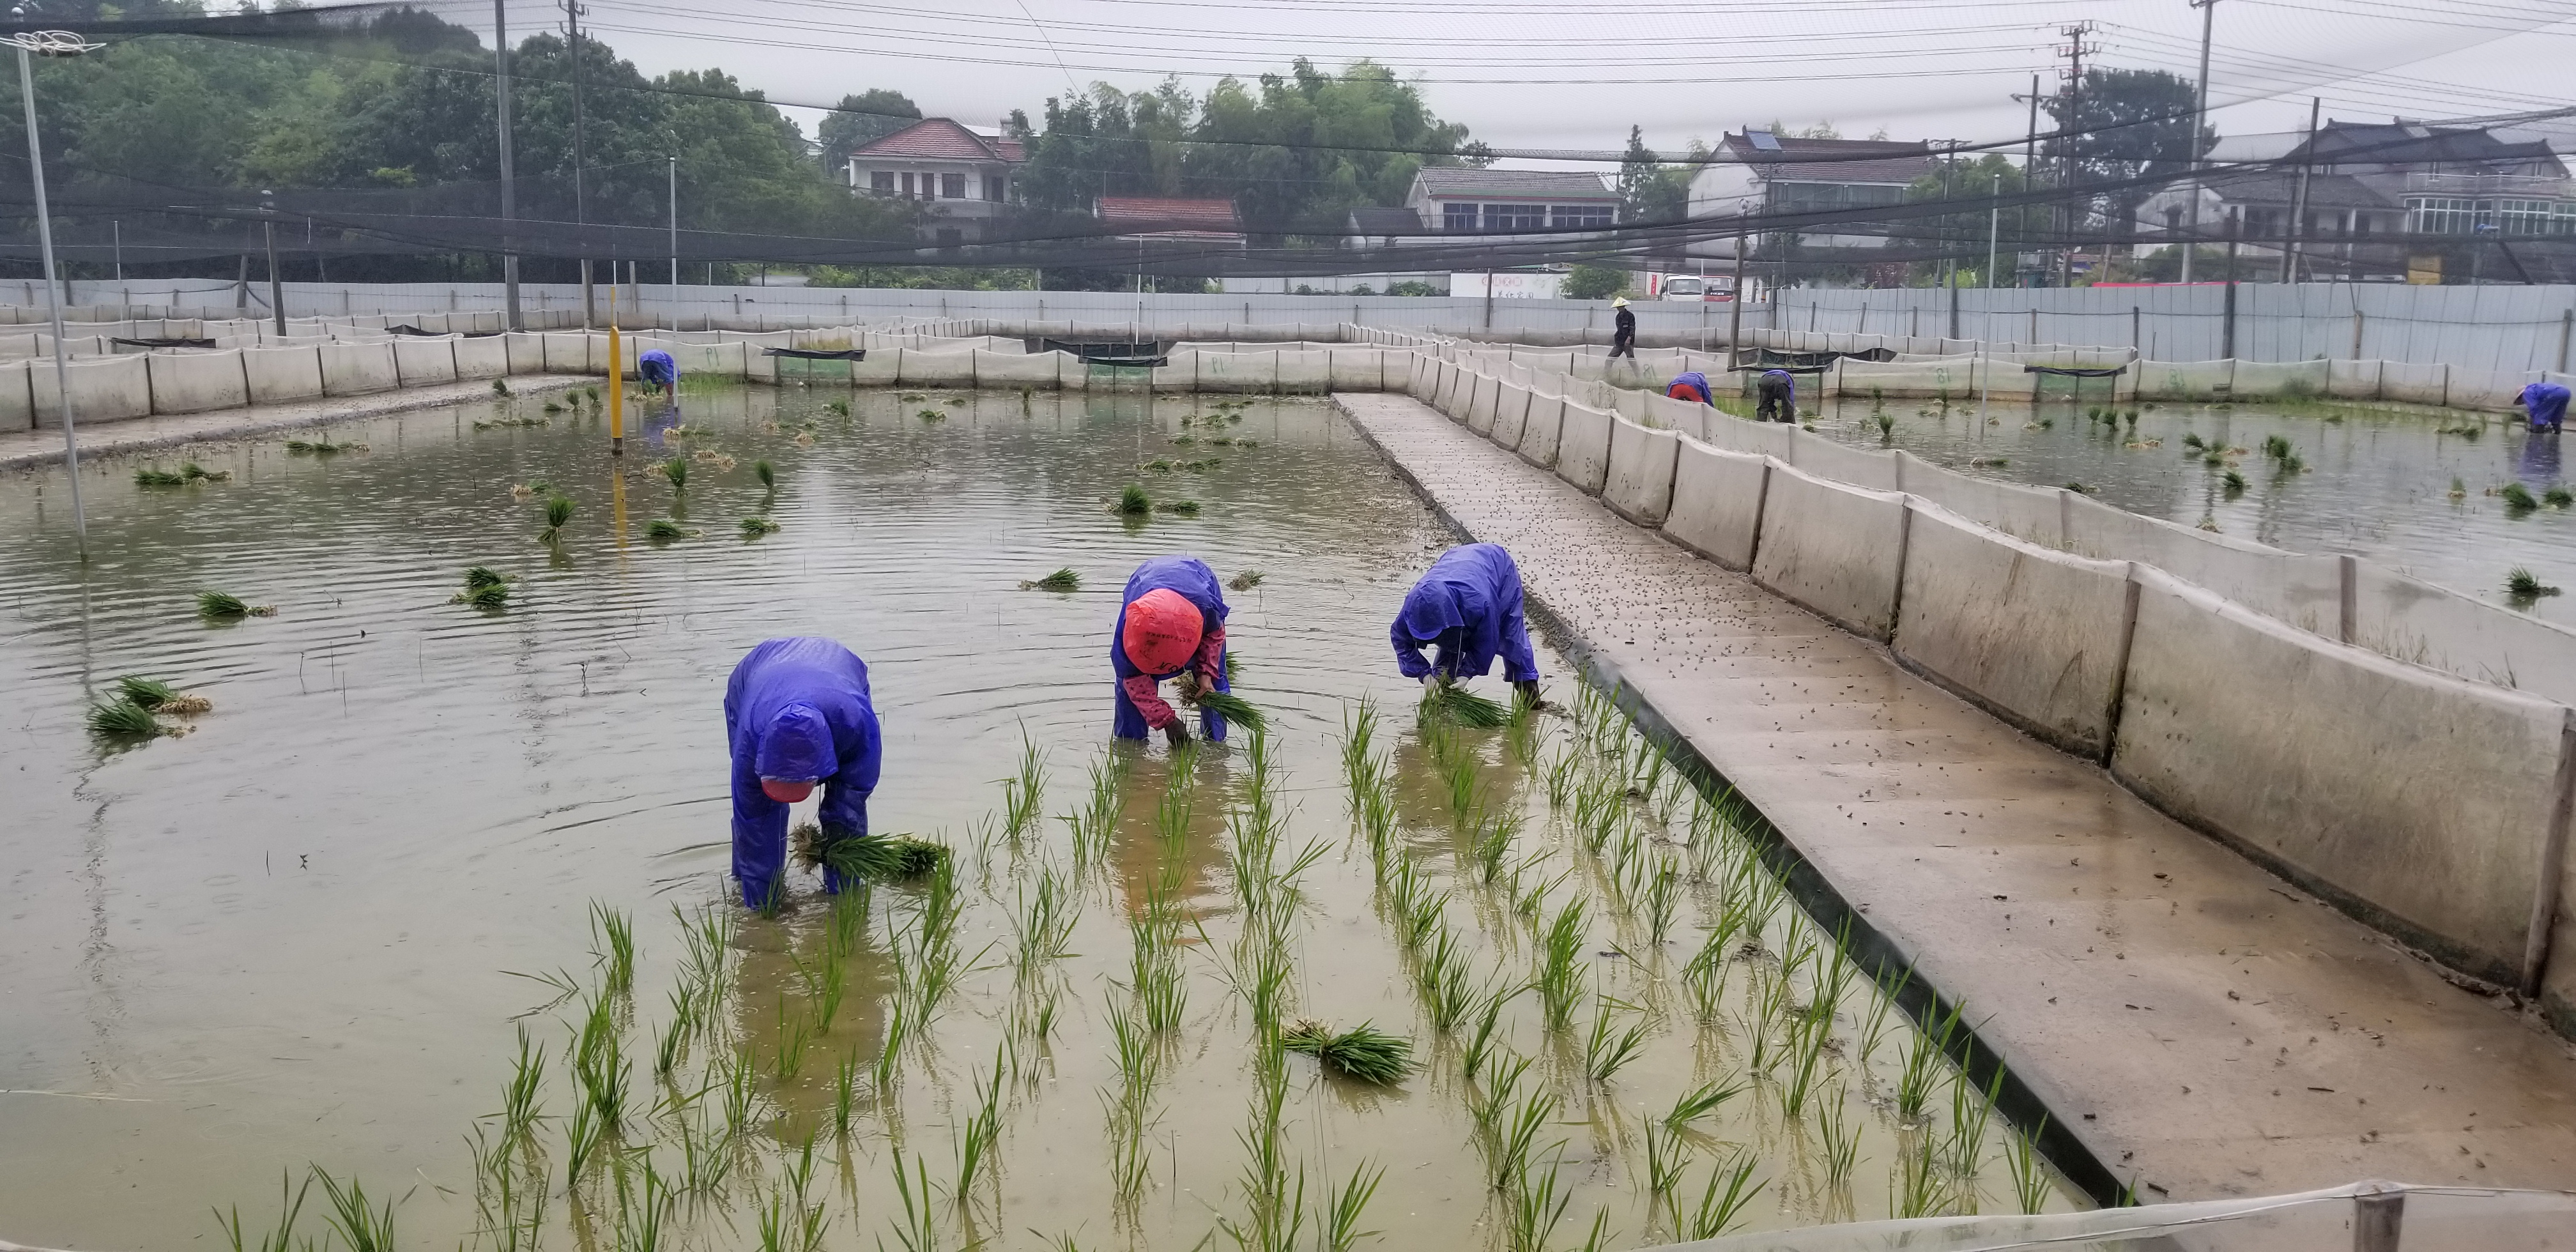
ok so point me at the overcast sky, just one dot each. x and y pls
(1577, 73)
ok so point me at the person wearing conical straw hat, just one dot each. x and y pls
(1467, 609)
(1171, 624)
(1623, 334)
(797, 716)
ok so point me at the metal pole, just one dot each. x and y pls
(509, 182)
(2199, 123)
(2299, 202)
(1735, 316)
(54, 298)
(1994, 229)
(580, 158)
(116, 230)
(675, 228)
(276, 285)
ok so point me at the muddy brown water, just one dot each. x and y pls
(309, 931)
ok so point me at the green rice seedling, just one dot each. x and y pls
(2233, 483)
(793, 1036)
(500, 386)
(1839, 1140)
(1607, 1050)
(582, 1137)
(2521, 584)
(2290, 464)
(613, 939)
(558, 512)
(1339, 1224)
(2559, 497)
(755, 527)
(841, 407)
(677, 470)
(1923, 1064)
(1667, 1155)
(1363, 1052)
(1232, 708)
(1970, 1109)
(1047, 916)
(664, 530)
(2194, 443)
(1441, 976)
(157, 478)
(2459, 490)
(1663, 901)
(889, 1060)
(1133, 502)
(361, 1228)
(932, 415)
(1517, 1136)
(982, 1132)
(1699, 1102)
(1557, 979)
(122, 719)
(918, 1229)
(2275, 447)
(2518, 499)
(519, 1096)
(1886, 423)
(225, 606)
(1463, 707)
(2029, 1176)
(870, 857)
(1807, 1045)
(1532, 1211)
(1491, 849)
(1730, 1191)
(1064, 579)
(1920, 1191)
(674, 1038)
(281, 1237)
(591, 394)
(1023, 796)
(845, 1093)
(1245, 581)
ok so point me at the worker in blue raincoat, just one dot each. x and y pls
(659, 372)
(1691, 385)
(1171, 624)
(2546, 404)
(1467, 608)
(797, 717)
(1777, 391)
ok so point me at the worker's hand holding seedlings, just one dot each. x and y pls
(1171, 624)
(1467, 609)
(797, 717)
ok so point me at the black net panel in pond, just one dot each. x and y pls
(442, 334)
(1773, 358)
(817, 354)
(164, 343)
(2073, 384)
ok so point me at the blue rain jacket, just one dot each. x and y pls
(797, 708)
(1197, 584)
(657, 367)
(1468, 605)
(2547, 404)
(1695, 380)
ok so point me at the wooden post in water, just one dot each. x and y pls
(616, 396)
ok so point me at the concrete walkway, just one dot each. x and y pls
(2198, 1025)
(26, 449)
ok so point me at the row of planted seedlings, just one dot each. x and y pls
(1549, 961)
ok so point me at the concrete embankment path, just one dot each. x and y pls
(2196, 1024)
(25, 449)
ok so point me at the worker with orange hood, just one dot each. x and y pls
(1171, 624)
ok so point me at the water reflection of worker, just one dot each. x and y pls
(1692, 386)
(1778, 392)
(2546, 404)
(1467, 608)
(1171, 624)
(1623, 329)
(659, 372)
(797, 716)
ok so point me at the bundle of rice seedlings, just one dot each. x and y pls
(2522, 584)
(1133, 501)
(157, 478)
(715, 458)
(2558, 497)
(932, 415)
(755, 527)
(1158, 465)
(766, 473)
(2079, 488)
(1183, 508)
(1229, 706)
(2234, 483)
(123, 718)
(558, 512)
(322, 447)
(841, 407)
(910, 396)
(664, 528)
(677, 470)
(223, 605)
(1363, 1052)
(500, 386)
(552, 407)
(2518, 498)
(870, 857)
(159, 697)
(1245, 581)
(1464, 707)
(485, 588)
(196, 473)
(592, 393)
(1247, 443)
(1220, 441)
(1064, 579)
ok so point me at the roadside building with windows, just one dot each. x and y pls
(1759, 173)
(1459, 200)
(962, 178)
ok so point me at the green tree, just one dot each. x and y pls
(1651, 189)
(1595, 282)
(1961, 232)
(2126, 125)
(861, 118)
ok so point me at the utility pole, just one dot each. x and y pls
(1994, 227)
(2199, 123)
(1735, 315)
(276, 287)
(2029, 170)
(2299, 202)
(573, 9)
(675, 233)
(2074, 51)
(509, 189)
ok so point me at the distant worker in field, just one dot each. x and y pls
(1171, 624)
(1467, 609)
(2546, 403)
(1623, 330)
(659, 372)
(797, 716)
(1778, 393)
(1692, 386)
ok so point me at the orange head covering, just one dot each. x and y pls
(1161, 633)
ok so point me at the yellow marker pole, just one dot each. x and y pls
(616, 396)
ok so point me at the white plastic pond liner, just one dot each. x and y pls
(2424, 1218)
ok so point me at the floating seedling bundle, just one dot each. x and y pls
(485, 588)
(755, 527)
(677, 470)
(2521, 584)
(122, 719)
(1363, 1052)
(663, 530)
(868, 858)
(225, 606)
(1133, 502)
(322, 447)
(1245, 581)
(1455, 704)
(189, 472)
(766, 473)
(1064, 579)
(558, 512)
(160, 697)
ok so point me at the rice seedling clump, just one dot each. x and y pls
(1457, 704)
(1232, 708)
(485, 588)
(157, 478)
(765, 472)
(2522, 584)
(2518, 498)
(1245, 581)
(122, 718)
(160, 697)
(1363, 1052)
(223, 606)
(1133, 502)
(664, 529)
(677, 470)
(755, 527)
(1065, 579)
(869, 857)
(558, 512)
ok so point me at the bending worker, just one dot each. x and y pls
(1623, 331)
(797, 716)
(2546, 403)
(1690, 386)
(1171, 624)
(659, 372)
(1778, 390)
(1467, 607)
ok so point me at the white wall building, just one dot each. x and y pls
(963, 179)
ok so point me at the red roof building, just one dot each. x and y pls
(963, 178)
(1172, 219)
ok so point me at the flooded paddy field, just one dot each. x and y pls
(2417, 490)
(432, 900)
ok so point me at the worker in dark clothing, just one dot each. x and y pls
(1623, 334)
(1779, 397)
